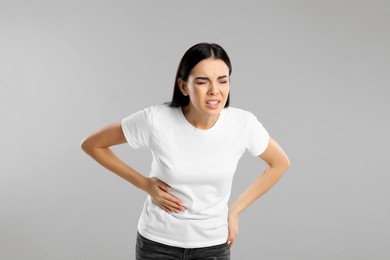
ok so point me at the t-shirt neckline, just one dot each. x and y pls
(199, 131)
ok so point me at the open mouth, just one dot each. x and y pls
(213, 102)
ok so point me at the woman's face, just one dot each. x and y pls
(208, 86)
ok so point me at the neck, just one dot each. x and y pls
(197, 119)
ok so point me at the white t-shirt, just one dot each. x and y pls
(198, 165)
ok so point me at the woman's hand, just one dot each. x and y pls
(159, 191)
(233, 227)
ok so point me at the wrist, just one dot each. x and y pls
(144, 184)
(233, 212)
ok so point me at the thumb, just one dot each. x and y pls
(230, 239)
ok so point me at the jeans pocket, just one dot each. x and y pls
(139, 242)
(144, 243)
(221, 252)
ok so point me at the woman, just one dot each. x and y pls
(196, 142)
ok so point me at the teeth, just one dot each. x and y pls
(212, 102)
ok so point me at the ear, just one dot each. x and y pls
(183, 86)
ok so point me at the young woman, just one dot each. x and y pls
(196, 142)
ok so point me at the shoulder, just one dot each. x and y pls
(150, 117)
(157, 114)
(159, 110)
(149, 113)
(237, 111)
(154, 110)
(238, 114)
(241, 118)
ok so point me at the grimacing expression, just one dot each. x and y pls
(207, 86)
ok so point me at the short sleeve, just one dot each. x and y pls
(257, 136)
(137, 128)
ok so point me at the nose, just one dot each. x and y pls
(213, 90)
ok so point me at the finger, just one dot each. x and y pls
(174, 199)
(230, 240)
(164, 195)
(170, 209)
(165, 208)
(171, 200)
(174, 206)
(162, 185)
(165, 187)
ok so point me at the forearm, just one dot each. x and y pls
(109, 160)
(260, 186)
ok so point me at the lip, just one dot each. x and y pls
(213, 106)
(208, 100)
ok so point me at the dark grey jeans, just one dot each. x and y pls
(147, 249)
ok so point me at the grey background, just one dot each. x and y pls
(315, 73)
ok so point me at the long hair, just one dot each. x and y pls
(191, 57)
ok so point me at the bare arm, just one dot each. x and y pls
(278, 163)
(97, 146)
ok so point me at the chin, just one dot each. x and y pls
(213, 112)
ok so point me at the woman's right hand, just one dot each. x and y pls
(159, 191)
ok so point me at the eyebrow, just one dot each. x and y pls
(206, 78)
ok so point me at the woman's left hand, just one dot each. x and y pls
(233, 227)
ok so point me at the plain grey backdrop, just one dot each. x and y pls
(315, 73)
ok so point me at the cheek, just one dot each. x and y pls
(196, 93)
(225, 90)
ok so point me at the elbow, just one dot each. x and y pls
(85, 145)
(287, 163)
(282, 165)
